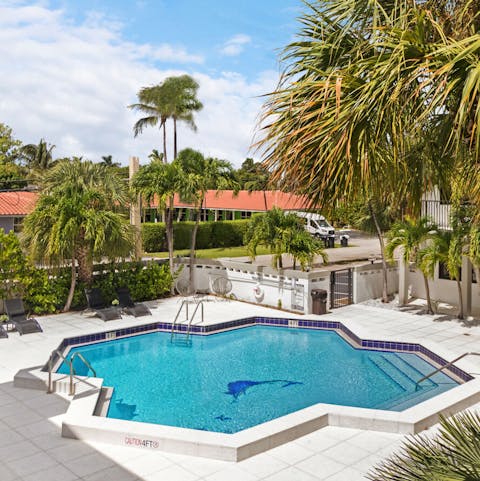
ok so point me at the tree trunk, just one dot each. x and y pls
(169, 233)
(265, 201)
(85, 265)
(174, 138)
(73, 282)
(165, 143)
(427, 295)
(192, 248)
(382, 250)
(460, 298)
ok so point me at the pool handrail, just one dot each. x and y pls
(71, 369)
(445, 366)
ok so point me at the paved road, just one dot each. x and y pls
(361, 248)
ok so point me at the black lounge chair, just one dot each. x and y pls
(97, 303)
(128, 306)
(3, 332)
(17, 316)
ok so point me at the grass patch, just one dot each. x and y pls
(212, 253)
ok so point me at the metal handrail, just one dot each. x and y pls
(50, 368)
(71, 369)
(193, 315)
(445, 366)
(184, 302)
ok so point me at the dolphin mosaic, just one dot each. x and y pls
(235, 388)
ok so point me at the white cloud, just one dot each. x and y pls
(235, 45)
(71, 85)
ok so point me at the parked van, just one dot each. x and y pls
(318, 226)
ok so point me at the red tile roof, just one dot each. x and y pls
(20, 203)
(17, 203)
(252, 201)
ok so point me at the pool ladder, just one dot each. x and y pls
(186, 340)
(56, 353)
(446, 366)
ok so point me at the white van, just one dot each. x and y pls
(318, 226)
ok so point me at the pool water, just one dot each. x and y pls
(230, 381)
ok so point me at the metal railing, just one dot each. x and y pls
(72, 372)
(446, 366)
(187, 319)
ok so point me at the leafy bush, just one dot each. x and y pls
(153, 237)
(210, 235)
(45, 290)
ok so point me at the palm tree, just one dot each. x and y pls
(77, 218)
(181, 100)
(159, 182)
(445, 247)
(200, 174)
(108, 161)
(364, 77)
(38, 156)
(175, 98)
(452, 454)
(282, 233)
(152, 103)
(410, 234)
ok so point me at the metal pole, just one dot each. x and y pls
(50, 367)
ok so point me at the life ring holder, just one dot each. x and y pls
(258, 292)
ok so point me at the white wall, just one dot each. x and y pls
(368, 281)
(290, 289)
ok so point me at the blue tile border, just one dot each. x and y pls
(356, 341)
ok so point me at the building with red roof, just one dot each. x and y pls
(14, 206)
(228, 205)
(221, 205)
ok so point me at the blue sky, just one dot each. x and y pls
(74, 66)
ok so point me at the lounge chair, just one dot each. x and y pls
(17, 316)
(128, 306)
(3, 332)
(97, 303)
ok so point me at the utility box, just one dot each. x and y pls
(319, 301)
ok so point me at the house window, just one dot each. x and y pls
(18, 224)
(246, 214)
(444, 274)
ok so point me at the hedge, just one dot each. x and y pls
(49, 292)
(45, 290)
(210, 235)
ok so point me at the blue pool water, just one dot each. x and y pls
(233, 380)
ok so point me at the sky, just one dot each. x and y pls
(70, 68)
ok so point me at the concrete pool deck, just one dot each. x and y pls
(31, 447)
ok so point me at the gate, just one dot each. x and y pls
(341, 288)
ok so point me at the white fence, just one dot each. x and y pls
(286, 288)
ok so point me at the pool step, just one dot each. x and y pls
(402, 380)
(181, 340)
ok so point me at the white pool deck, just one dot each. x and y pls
(32, 449)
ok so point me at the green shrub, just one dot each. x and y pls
(182, 233)
(228, 233)
(153, 237)
(209, 236)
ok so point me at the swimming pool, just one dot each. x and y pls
(231, 381)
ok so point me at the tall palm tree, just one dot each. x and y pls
(181, 100)
(77, 219)
(159, 182)
(152, 103)
(200, 174)
(175, 98)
